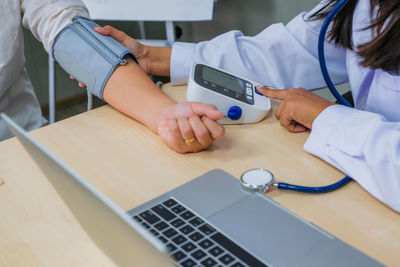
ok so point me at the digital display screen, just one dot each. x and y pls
(222, 80)
(224, 83)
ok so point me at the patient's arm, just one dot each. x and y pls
(123, 92)
(105, 66)
(131, 91)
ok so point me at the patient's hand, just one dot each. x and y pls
(190, 127)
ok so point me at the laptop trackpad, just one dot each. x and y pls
(268, 231)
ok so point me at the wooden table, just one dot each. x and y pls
(131, 165)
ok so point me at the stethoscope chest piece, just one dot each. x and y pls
(257, 180)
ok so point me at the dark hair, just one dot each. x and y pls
(383, 51)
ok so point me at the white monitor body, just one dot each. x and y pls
(236, 97)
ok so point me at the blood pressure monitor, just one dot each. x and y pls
(235, 97)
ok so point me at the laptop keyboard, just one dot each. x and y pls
(190, 239)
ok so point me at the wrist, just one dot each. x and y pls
(163, 114)
(318, 111)
(158, 59)
(131, 91)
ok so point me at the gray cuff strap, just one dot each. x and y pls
(89, 56)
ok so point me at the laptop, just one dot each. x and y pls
(209, 221)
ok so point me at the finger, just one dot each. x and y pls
(79, 83)
(118, 35)
(106, 30)
(185, 128)
(216, 129)
(200, 130)
(285, 119)
(297, 128)
(272, 93)
(207, 110)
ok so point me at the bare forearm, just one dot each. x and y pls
(131, 91)
(159, 60)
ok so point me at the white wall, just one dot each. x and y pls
(251, 16)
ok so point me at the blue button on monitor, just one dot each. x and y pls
(234, 113)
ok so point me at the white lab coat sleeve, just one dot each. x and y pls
(182, 58)
(280, 56)
(46, 18)
(363, 145)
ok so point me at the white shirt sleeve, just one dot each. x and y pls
(46, 18)
(363, 145)
(280, 56)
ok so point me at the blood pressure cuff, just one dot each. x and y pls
(89, 56)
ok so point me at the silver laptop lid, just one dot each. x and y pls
(123, 240)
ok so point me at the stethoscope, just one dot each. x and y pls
(260, 180)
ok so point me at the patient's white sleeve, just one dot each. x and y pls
(363, 145)
(280, 56)
(46, 18)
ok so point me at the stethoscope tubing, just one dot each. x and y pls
(334, 91)
(321, 52)
(314, 190)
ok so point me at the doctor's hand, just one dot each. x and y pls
(79, 83)
(152, 60)
(298, 109)
(190, 126)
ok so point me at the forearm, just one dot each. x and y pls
(130, 91)
(363, 145)
(159, 59)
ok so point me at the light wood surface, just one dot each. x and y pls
(131, 165)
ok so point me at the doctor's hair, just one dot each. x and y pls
(383, 51)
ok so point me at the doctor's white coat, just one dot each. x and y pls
(363, 142)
